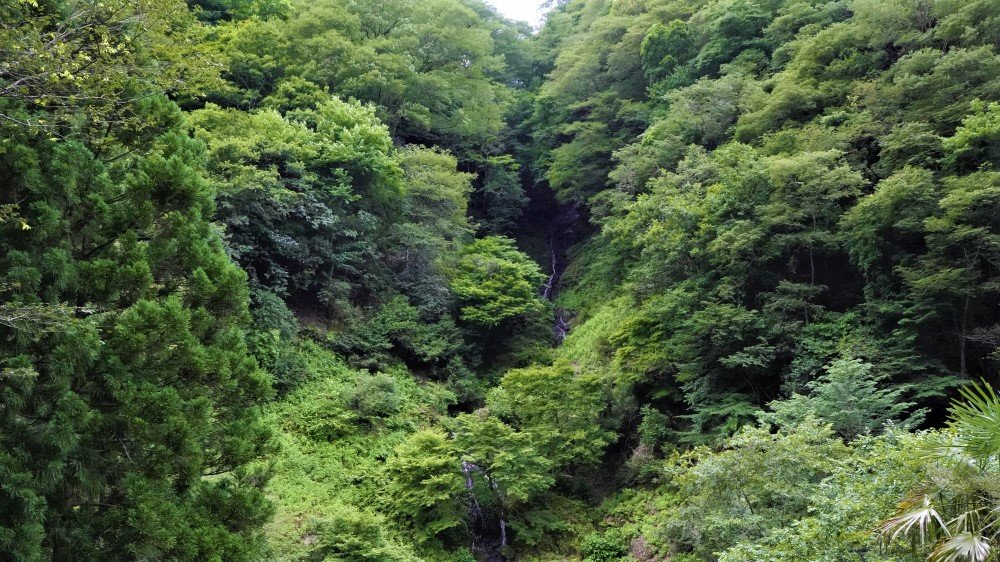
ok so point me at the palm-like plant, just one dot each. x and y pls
(957, 509)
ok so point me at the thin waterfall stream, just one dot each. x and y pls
(488, 520)
(562, 235)
(485, 540)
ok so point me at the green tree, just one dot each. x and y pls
(665, 48)
(86, 67)
(299, 194)
(426, 65)
(858, 494)
(973, 146)
(129, 431)
(849, 397)
(503, 466)
(435, 222)
(558, 407)
(759, 482)
(501, 199)
(953, 282)
(811, 192)
(426, 484)
(479, 477)
(495, 282)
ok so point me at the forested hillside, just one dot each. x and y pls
(402, 280)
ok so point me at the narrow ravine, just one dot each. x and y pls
(562, 235)
(490, 536)
(488, 521)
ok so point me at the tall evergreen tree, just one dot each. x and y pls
(129, 405)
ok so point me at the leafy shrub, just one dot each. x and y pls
(495, 281)
(375, 396)
(351, 534)
(609, 546)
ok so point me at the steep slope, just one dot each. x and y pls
(687, 280)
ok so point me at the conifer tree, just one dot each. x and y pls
(129, 405)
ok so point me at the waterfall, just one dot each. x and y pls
(488, 545)
(467, 469)
(562, 234)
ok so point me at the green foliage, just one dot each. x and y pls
(665, 48)
(94, 69)
(847, 506)
(610, 546)
(425, 487)
(501, 199)
(437, 195)
(514, 469)
(129, 425)
(435, 206)
(759, 482)
(883, 227)
(432, 68)
(653, 430)
(774, 203)
(950, 514)
(343, 474)
(216, 10)
(976, 419)
(737, 270)
(847, 397)
(495, 282)
(296, 192)
(558, 407)
(798, 494)
(352, 534)
(375, 396)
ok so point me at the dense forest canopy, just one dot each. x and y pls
(401, 280)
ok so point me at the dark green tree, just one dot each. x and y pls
(128, 430)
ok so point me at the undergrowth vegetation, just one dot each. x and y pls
(402, 280)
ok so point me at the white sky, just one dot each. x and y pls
(521, 10)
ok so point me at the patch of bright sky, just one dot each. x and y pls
(521, 10)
